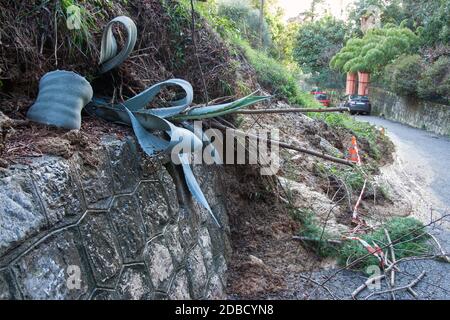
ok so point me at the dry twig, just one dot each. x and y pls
(407, 287)
(366, 284)
(391, 247)
(291, 110)
(286, 145)
(319, 285)
(444, 255)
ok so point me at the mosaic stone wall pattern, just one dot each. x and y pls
(125, 228)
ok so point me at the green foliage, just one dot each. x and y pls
(435, 81)
(283, 38)
(273, 74)
(316, 43)
(352, 177)
(310, 229)
(429, 18)
(362, 130)
(375, 50)
(81, 37)
(180, 16)
(246, 20)
(411, 75)
(408, 237)
(403, 75)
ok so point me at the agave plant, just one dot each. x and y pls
(144, 121)
(64, 110)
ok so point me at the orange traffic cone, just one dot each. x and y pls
(353, 154)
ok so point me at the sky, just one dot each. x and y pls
(293, 7)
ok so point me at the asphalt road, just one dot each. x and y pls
(424, 156)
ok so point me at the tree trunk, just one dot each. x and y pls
(261, 24)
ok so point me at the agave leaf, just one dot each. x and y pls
(109, 58)
(139, 101)
(219, 109)
(206, 141)
(193, 186)
(150, 143)
(142, 123)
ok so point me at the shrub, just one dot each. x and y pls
(408, 237)
(375, 50)
(435, 82)
(247, 21)
(402, 76)
(362, 130)
(311, 229)
(275, 76)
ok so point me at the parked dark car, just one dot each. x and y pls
(357, 104)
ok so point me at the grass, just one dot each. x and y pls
(312, 230)
(353, 177)
(362, 130)
(81, 35)
(412, 242)
(274, 75)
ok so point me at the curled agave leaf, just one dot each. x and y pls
(109, 58)
(194, 188)
(139, 101)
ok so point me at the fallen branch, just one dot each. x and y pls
(319, 285)
(444, 254)
(291, 110)
(285, 145)
(366, 284)
(391, 284)
(355, 209)
(394, 242)
(391, 248)
(407, 287)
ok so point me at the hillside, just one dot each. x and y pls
(309, 197)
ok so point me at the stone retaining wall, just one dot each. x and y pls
(411, 111)
(123, 229)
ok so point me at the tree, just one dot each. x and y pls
(316, 43)
(429, 17)
(283, 34)
(312, 12)
(435, 81)
(261, 23)
(403, 74)
(248, 20)
(375, 50)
